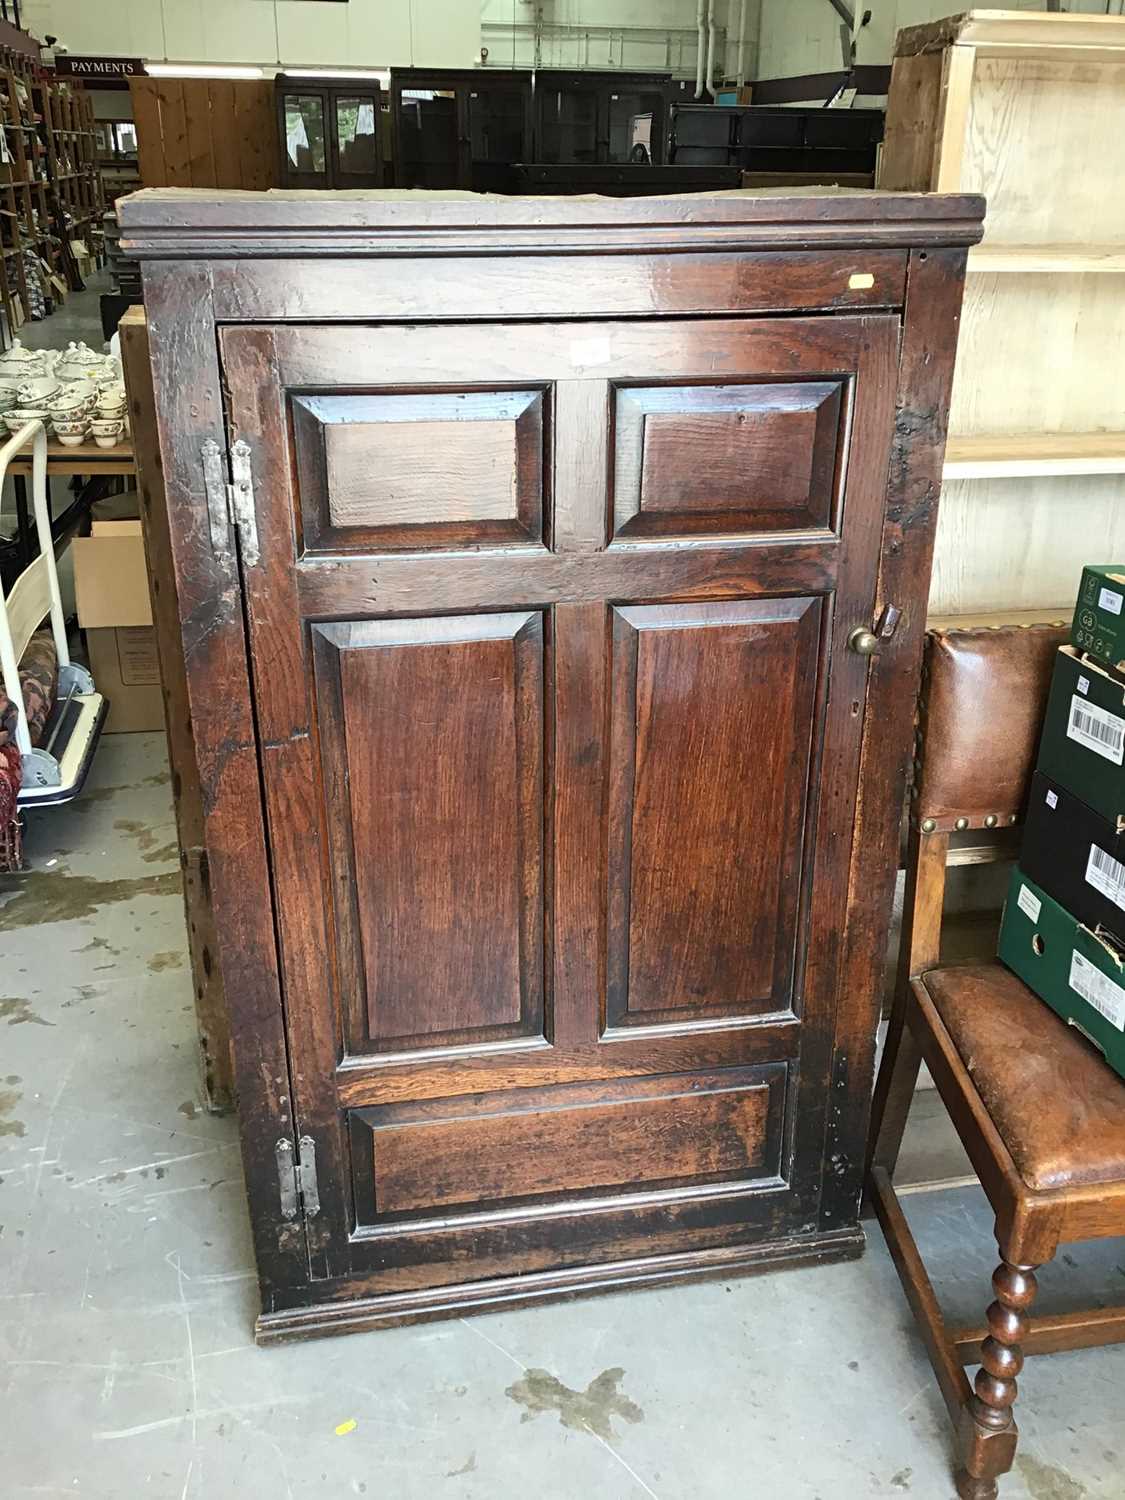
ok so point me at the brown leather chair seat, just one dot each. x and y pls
(1057, 1106)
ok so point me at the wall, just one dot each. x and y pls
(803, 36)
(659, 35)
(442, 33)
(643, 34)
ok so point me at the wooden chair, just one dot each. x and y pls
(1040, 1115)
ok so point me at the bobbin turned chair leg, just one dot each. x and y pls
(987, 1435)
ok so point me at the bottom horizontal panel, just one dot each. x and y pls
(482, 1153)
(351, 1310)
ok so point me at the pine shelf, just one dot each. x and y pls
(990, 260)
(1024, 455)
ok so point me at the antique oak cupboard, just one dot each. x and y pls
(552, 578)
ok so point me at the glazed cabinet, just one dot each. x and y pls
(552, 577)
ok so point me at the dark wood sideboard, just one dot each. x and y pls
(552, 578)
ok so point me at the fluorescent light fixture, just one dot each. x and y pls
(382, 74)
(201, 70)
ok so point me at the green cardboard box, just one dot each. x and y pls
(1079, 973)
(1083, 743)
(1099, 616)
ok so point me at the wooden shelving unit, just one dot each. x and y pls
(70, 144)
(29, 252)
(1028, 109)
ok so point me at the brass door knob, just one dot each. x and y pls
(863, 642)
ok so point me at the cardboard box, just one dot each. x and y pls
(110, 577)
(126, 670)
(1079, 973)
(1099, 616)
(1075, 855)
(1083, 744)
(111, 589)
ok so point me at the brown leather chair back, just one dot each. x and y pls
(984, 692)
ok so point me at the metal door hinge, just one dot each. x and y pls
(231, 504)
(296, 1180)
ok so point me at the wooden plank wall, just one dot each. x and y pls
(205, 132)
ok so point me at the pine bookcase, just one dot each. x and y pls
(1027, 108)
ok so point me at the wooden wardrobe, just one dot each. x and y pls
(552, 577)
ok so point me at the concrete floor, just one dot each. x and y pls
(127, 1294)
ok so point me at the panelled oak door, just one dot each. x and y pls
(560, 740)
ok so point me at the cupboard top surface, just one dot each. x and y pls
(169, 221)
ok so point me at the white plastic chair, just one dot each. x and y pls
(55, 771)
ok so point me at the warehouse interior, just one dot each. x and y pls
(562, 722)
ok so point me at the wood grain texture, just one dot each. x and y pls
(211, 1015)
(721, 459)
(389, 224)
(1043, 328)
(443, 724)
(1019, 544)
(582, 285)
(225, 143)
(200, 133)
(204, 133)
(694, 1128)
(186, 386)
(174, 132)
(481, 326)
(1030, 121)
(906, 162)
(1034, 454)
(405, 459)
(419, 470)
(912, 487)
(712, 736)
(1058, 340)
(369, 1310)
(145, 96)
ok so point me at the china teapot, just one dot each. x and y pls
(18, 364)
(78, 362)
(36, 389)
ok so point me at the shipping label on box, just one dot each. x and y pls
(1075, 855)
(1098, 627)
(137, 661)
(1078, 971)
(125, 668)
(1083, 744)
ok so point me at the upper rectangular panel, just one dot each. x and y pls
(725, 459)
(421, 469)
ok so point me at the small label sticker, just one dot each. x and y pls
(1097, 989)
(860, 281)
(1107, 875)
(1097, 729)
(1083, 684)
(1110, 599)
(587, 352)
(1029, 903)
(1052, 800)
